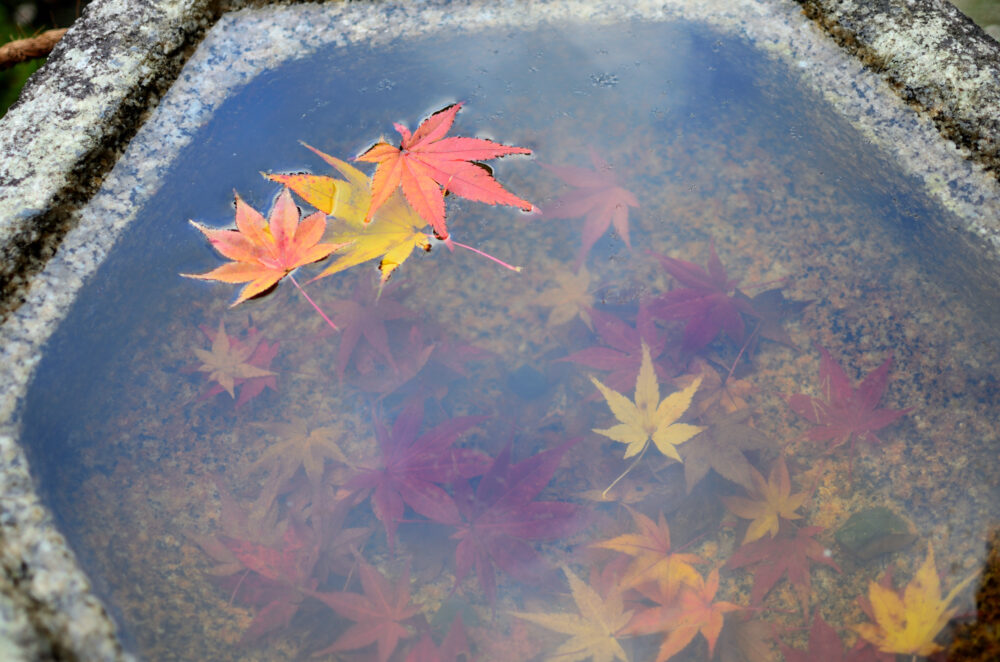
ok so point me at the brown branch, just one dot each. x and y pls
(22, 50)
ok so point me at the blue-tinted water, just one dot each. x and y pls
(223, 526)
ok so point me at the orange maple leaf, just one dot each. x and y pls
(426, 165)
(264, 252)
(653, 560)
(694, 610)
(770, 501)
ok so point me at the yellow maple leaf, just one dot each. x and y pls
(392, 235)
(594, 631)
(647, 418)
(770, 501)
(226, 361)
(652, 558)
(909, 623)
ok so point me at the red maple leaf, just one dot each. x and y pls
(844, 413)
(364, 316)
(426, 165)
(707, 301)
(501, 515)
(454, 645)
(597, 196)
(411, 467)
(789, 553)
(622, 354)
(378, 614)
(825, 644)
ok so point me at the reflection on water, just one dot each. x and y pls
(723, 410)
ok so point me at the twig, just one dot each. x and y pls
(22, 50)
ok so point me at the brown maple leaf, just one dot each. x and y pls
(598, 197)
(264, 252)
(298, 446)
(721, 447)
(426, 164)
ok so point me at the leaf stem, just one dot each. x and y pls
(604, 494)
(313, 303)
(487, 256)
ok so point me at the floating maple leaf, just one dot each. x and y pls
(844, 413)
(787, 553)
(648, 418)
(411, 467)
(231, 362)
(706, 301)
(594, 631)
(693, 610)
(426, 165)
(264, 252)
(908, 623)
(652, 557)
(769, 502)
(622, 354)
(391, 237)
(501, 515)
(378, 614)
(597, 196)
(721, 447)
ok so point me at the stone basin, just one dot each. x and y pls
(129, 94)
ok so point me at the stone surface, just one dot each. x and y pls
(61, 141)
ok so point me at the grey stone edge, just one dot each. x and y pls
(61, 141)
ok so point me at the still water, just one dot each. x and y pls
(723, 398)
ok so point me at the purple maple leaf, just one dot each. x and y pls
(844, 413)
(622, 355)
(411, 468)
(501, 515)
(706, 301)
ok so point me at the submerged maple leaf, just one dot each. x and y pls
(647, 418)
(706, 301)
(769, 502)
(908, 623)
(787, 553)
(598, 197)
(594, 631)
(568, 298)
(264, 252)
(411, 468)
(501, 515)
(825, 644)
(427, 164)
(622, 354)
(652, 557)
(844, 413)
(454, 646)
(378, 615)
(298, 446)
(231, 362)
(721, 447)
(694, 610)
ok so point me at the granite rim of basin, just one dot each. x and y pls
(97, 127)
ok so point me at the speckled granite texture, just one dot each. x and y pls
(60, 143)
